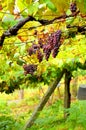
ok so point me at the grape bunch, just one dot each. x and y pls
(53, 44)
(29, 69)
(43, 49)
(46, 46)
(33, 49)
(73, 7)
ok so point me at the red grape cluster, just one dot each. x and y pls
(47, 46)
(73, 7)
(53, 44)
(29, 69)
(33, 49)
(36, 49)
(44, 48)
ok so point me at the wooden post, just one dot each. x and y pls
(43, 101)
(21, 94)
(67, 95)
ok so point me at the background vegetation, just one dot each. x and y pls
(33, 69)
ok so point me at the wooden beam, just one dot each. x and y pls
(44, 100)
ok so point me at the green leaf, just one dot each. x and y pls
(68, 12)
(20, 62)
(85, 5)
(8, 21)
(33, 8)
(11, 5)
(50, 5)
(69, 20)
(16, 55)
(22, 49)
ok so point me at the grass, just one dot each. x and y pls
(51, 118)
(14, 115)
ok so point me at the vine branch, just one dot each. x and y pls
(13, 30)
(81, 29)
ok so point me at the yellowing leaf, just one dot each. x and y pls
(10, 5)
(23, 35)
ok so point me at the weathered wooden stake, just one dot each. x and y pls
(21, 94)
(43, 102)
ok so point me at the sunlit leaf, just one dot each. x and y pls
(11, 5)
(50, 5)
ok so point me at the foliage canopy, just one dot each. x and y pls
(45, 18)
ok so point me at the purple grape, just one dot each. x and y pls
(40, 43)
(35, 47)
(46, 47)
(55, 50)
(29, 69)
(31, 51)
(40, 56)
(47, 54)
(58, 35)
(52, 44)
(55, 38)
(73, 7)
(47, 50)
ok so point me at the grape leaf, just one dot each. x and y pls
(33, 8)
(8, 21)
(85, 5)
(50, 5)
(11, 5)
